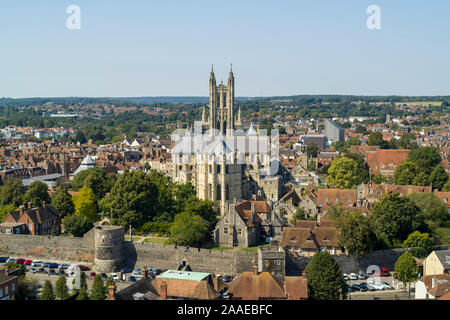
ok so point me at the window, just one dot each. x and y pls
(210, 168)
(239, 231)
(1, 292)
(6, 290)
(13, 288)
(30, 227)
(278, 262)
(225, 230)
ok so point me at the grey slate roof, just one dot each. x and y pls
(444, 257)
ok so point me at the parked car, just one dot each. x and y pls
(46, 264)
(52, 271)
(114, 276)
(349, 289)
(377, 285)
(20, 261)
(367, 286)
(33, 270)
(83, 268)
(63, 266)
(36, 264)
(384, 272)
(387, 286)
(157, 272)
(352, 276)
(54, 265)
(137, 273)
(132, 279)
(104, 276)
(61, 272)
(28, 262)
(227, 279)
(11, 260)
(361, 276)
(92, 275)
(355, 287)
(41, 270)
(3, 259)
(345, 276)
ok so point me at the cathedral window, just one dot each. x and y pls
(219, 192)
(225, 230)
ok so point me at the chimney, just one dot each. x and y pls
(259, 193)
(21, 209)
(111, 292)
(253, 213)
(255, 270)
(7, 271)
(434, 282)
(145, 272)
(29, 205)
(163, 291)
(44, 204)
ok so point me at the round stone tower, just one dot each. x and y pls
(109, 250)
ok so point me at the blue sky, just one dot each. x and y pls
(166, 48)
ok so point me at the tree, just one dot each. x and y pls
(395, 217)
(189, 230)
(37, 193)
(132, 200)
(312, 150)
(407, 269)
(418, 240)
(62, 202)
(378, 178)
(108, 283)
(202, 208)
(47, 291)
(84, 204)
(422, 179)
(406, 172)
(426, 158)
(343, 172)
(439, 177)
(299, 215)
(82, 294)
(61, 290)
(433, 208)
(80, 137)
(406, 141)
(77, 225)
(446, 186)
(355, 233)
(363, 168)
(98, 289)
(5, 210)
(182, 193)
(12, 192)
(325, 278)
(375, 139)
(13, 266)
(94, 178)
(25, 289)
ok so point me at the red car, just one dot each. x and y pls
(83, 268)
(20, 261)
(92, 274)
(28, 262)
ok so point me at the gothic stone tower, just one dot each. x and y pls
(221, 103)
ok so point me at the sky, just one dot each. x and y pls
(167, 47)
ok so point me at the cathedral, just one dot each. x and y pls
(225, 163)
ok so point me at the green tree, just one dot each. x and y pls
(62, 202)
(395, 217)
(47, 291)
(61, 290)
(189, 230)
(299, 215)
(132, 200)
(426, 158)
(446, 186)
(37, 193)
(406, 141)
(5, 210)
(25, 289)
(182, 193)
(375, 139)
(422, 179)
(433, 208)
(108, 282)
(77, 225)
(363, 168)
(418, 240)
(13, 266)
(405, 173)
(325, 278)
(82, 294)
(355, 233)
(94, 178)
(12, 192)
(378, 178)
(84, 204)
(98, 289)
(312, 150)
(202, 208)
(407, 269)
(438, 177)
(343, 172)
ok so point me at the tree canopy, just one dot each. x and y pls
(189, 230)
(84, 204)
(37, 193)
(343, 172)
(62, 202)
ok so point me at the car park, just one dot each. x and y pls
(349, 289)
(137, 273)
(127, 270)
(33, 270)
(46, 264)
(355, 287)
(377, 285)
(83, 268)
(361, 276)
(61, 272)
(51, 271)
(345, 276)
(20, 261)
(104, 276)
(11, 260)
(386, 286)
(41, 270)
(367, 286)
(63, 266)
(3, 259)
(53, 265)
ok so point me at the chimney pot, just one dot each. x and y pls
(29, 205)
(112, 292)
(163, 291)
(7, 271)
(255, 270)
(44, 203)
